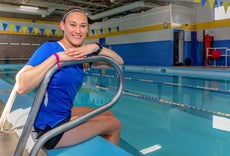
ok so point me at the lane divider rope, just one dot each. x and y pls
(158, 100)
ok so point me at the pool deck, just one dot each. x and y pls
(9, 140)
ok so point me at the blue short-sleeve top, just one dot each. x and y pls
(62, 88)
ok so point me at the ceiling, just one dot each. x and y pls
(98, 10)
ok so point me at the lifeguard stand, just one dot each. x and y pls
(215, 54)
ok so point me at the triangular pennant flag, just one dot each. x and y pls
(24, 28)
(97, 31)
(42, 30)
(36, 31)
(114, 29)
(211, 3)
(59, 32)
(226, 6)
(117, 29)
(197, 1)
(47, 31)
(218, 3)
(53, 31)
(110, 30)
(101, 31)
(11, 27)
(203, 2)
(105, 30)
(4, 26)
(93, 31)
(18, 27)
(30, 29)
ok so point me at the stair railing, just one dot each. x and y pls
(67, 126)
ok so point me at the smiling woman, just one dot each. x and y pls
(57, 106)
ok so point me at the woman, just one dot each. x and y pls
(57, 106)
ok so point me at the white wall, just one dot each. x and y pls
(176, 14)
(183, 15)
(140, 37)
(203, 14)
(151, 17)
(220, 33)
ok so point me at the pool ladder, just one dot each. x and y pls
(39, 97)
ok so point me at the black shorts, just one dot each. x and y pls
(50, 144)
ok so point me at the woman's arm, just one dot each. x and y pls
(110, 53)
(85, 50)
(29, 77)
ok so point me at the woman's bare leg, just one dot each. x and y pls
(81, 110)
(105, 125)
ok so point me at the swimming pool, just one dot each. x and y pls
(167, 111)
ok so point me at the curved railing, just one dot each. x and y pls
(60, 129)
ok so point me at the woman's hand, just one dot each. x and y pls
(83, 51)
(79, 52)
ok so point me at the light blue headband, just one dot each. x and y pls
(74, 10)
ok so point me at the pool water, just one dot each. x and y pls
(173, 112)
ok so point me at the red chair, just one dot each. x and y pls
(216, 55)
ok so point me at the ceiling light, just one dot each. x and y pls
(29, 8)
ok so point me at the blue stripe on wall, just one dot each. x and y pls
(158, 53)
(199, 53)
(221, 43)
(194, 48)
(187, 50)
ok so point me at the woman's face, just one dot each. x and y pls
(75, 28)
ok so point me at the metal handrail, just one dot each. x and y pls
(8, 107)
(60, 129)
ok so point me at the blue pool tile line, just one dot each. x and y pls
(188, 71)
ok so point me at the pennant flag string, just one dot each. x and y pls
(212, 3)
